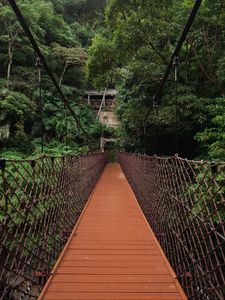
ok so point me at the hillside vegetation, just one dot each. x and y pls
(132, 52)
(63, 30)
(125, 45)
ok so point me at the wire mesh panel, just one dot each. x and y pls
(40, 202)
(184, 203)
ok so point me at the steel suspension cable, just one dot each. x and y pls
(39, 67)
(175, 54)
(44, 63)
(175, 63)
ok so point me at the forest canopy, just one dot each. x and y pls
(132, 53)
(63, 30)
(125, 45)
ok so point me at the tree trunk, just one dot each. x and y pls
(63, 73)
(11, 48)
(10, 53)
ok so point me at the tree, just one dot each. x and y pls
(10, 36)
(21, 108)
(70, 57)
(142, 35)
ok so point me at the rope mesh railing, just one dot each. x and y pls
(184, 203)
(40, 202)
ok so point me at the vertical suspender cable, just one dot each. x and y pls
(175, 63)
(38, 65)
(41, 109)
(175, 54)
(144, 136)
(65, 117)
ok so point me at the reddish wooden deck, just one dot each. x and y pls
(112, 253)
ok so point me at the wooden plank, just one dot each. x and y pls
(114, 257)
(111, 296)
(114, 263)
(111, 271)
(114, 252)
(112, 278)
(113, 287)
(116, 247)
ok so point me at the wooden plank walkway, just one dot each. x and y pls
(112, 253)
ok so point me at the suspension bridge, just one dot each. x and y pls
(146, 228)
(78, 227)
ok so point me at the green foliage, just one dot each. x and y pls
(74, 56)
(15, 105)
(62, 28)
(128, 49)
(132, 53)
(22, 143)
(12, 154)
(213, 136)
(83, 10)
(100, 62)
(204, 202)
